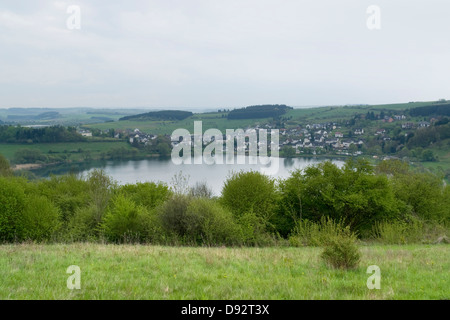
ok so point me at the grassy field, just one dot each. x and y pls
(209, 120)
(153, 272)
(72, 148)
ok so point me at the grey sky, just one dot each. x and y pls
(222, 53)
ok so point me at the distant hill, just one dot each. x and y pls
(50, 115)
(437, 110)
(160, 115)
(260, 111)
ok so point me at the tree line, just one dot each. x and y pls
(160, 115)
(18, 134)
(258, 112)
(253, 209)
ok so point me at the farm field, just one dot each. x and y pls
(209, 120)
(31, 271)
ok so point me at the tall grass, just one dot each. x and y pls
(412, 232)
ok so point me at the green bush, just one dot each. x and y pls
(148, 194)
(251, 191)
(101, 188)
(208, 223)
(83, 225)
(124, 221)
(341, 252)
(12, 204)
(40, 219)
(254, 230)
(352, 193)
(423, 193)
(5, 168)
(173, 214)
(67, 192)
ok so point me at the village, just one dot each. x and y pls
(329, 138)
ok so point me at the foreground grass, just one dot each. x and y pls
(31, 271)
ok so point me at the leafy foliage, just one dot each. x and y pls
(341, 252)
(12, 204)
(5, 168)
(39, 220)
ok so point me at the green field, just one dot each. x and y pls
(32, 271)
(70, 148)
(333, 113)
(209, 120)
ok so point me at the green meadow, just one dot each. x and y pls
(31, 271)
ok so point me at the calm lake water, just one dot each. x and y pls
(164, 170)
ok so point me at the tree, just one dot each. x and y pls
(5, 168)
(288, 151)
(351, 193)
(428, 155)
(250, 191)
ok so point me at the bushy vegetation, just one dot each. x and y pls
(437, 109)
(341, 252)
(322, 205)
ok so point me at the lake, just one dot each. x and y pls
(164, 170)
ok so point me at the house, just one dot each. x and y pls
(424, 124)
(359, 131)
(408, 125)
(338, 135)
(380, 131)
(86, 133)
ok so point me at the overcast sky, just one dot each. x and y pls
(190, 54)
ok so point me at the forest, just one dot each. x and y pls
(259, 112)
(160, 115)
(433, 110)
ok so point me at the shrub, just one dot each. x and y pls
(124, 221)
(208, 223)
(40, 219)
(352, 193)
(254, 230)
(12, 204)
(423, 193)
(173, 214)
(251, 191)
(146, 194)
(5, 168)
(101, 188)
(83, 225)
(341, 252)
(67, 192)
